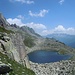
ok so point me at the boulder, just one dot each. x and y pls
(4, 69)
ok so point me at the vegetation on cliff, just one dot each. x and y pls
(29, 41)
(5, 30)
(18, 69)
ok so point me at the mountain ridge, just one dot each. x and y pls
(23, 40)
(65, 38)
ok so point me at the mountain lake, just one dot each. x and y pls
(45, 56)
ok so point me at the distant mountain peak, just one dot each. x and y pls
(29, 30)
(65, 38)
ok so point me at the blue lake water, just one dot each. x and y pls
(43, 56)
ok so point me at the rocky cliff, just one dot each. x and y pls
(12, 49)
(8, 48)
(16, 42)
(3, 21)
(10, 53)
(12, 42)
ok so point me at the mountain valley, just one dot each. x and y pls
(16, 42)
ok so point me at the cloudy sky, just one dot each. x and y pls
(44, 16)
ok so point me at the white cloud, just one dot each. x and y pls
(20, 17)
(46, 32)
(71, 31)
(59, 29)
(23, 1)
(40, 14)
(29, 2)
(61, 2)
(42, 29)
(15, 21)
(35, 26)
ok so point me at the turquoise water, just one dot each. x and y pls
(43, 56)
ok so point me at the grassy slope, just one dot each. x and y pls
(29, 42)
(5, 30)
(18, 69)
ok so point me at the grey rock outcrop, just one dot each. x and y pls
(3, 21)
(8, 48)
(17, 40)
(5, 69)
(13, 46)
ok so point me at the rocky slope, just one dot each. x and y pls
(66, 67)
(62, 37)
(34, 41)
(16, 42)
(17, 69)
(12, 50)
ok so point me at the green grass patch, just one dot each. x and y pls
(18, 69)
(62, 52)
(5, 30)
(29, 41)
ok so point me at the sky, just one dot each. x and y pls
(44, 16)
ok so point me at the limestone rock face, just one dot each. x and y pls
(8, 48)
(13, 46)
(17, 40)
